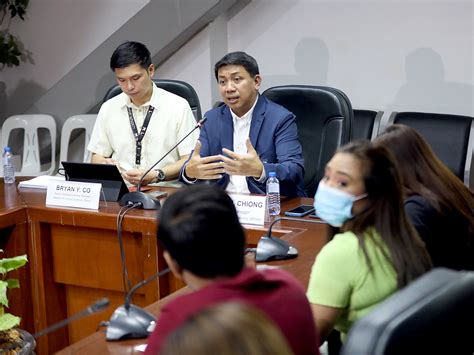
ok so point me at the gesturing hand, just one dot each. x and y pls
(207, 168)
(242, 164)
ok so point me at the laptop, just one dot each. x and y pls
(106, 174)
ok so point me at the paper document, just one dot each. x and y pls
(40, 182)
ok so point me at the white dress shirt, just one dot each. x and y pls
(238, 183)
(172, 119)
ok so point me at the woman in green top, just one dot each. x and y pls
(377, 252)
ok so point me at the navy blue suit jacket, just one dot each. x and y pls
(274, 136)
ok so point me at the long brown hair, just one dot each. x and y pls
(425, 175)
(385, 213)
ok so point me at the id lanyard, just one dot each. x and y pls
(139, 136)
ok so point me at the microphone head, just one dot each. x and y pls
(100, 305)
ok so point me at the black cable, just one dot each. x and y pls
(122, 253)
(130, 207)
(102, 324)
(127, 209)
(121, 215)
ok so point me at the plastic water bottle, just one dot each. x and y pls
(273, 194)
(8, 168)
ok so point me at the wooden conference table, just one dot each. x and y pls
(74, 260)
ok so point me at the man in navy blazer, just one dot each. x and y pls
(248, 137)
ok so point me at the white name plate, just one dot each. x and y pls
(73, 194)
(250, 209)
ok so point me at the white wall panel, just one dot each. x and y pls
(384, 54)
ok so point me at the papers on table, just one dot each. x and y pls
(40, 182)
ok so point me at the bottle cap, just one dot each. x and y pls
(7, 149)
(272, 174)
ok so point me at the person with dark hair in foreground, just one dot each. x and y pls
(377, 252)
(203, 244)
(438, 204)
(248, 137)
(137, 127)
(227, 329)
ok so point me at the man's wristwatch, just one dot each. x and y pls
(160, 175)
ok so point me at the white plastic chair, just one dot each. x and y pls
(85, 122)
(31, 148)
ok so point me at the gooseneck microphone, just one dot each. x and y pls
(270, 248)
(98, 306)
(147, 202)
(130, 321)
(141, 284)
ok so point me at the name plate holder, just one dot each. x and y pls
(82, 195)
(251, 209)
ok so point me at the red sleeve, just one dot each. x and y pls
(166, 323)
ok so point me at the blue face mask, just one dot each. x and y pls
(334, 206)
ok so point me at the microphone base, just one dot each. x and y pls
(269, 248)
(146, 202)
(134, 323)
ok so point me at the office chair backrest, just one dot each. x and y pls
(324, 118)
(432, 315)
(177, 87)
(366, 124)
(448, 136)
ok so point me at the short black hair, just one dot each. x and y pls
(238, 58)
(199, 227)
(129, 53)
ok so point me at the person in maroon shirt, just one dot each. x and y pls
(204, 245)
